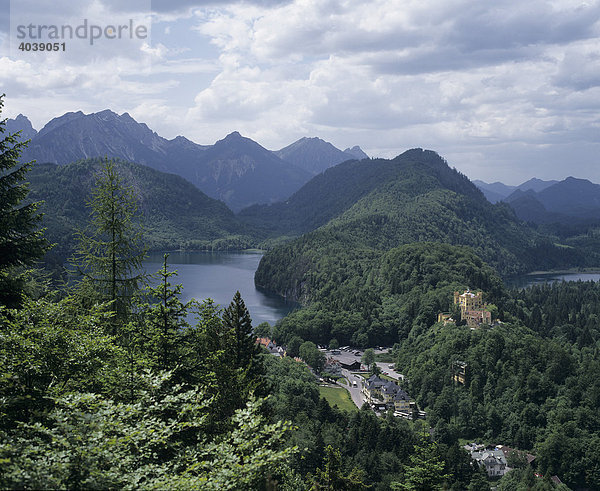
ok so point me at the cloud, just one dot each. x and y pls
(488, 85)
(445, 75)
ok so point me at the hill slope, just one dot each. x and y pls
(175, 213)
(382, 204)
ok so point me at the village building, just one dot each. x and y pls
(445, 318)
(271, 346)
(386, 394)
(459, 372)
(492, 460)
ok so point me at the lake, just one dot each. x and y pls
(524, 281)
(218, 275)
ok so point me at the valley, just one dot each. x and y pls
(359, 252)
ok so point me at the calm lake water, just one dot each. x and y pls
(218, 275)
(535, 279)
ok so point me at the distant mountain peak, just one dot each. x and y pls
(316, 155)
(21, 123)
(59, 121)
(356, 152)
(105, 113)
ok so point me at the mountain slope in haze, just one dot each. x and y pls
(175, 213)
(415, 197)
(494, 191)
(315, 155)
(242, 173)
(235, 170)
(564, 202)
(535, 184)
(20, 123)
(498, 191)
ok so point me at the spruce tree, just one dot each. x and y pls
(166, 319)
(21, 240)
(245, 351)
(110, 251)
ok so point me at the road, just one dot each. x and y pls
(355, 392)
(389, 371)
(348, 356)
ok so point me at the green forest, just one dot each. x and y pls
(111, 381)
(192, 221)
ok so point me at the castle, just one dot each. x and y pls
(472, 308)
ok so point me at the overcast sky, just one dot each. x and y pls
(503, 90)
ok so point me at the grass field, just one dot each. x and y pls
(337, 396)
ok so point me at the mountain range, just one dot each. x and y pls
(236, 170)
(497, 191)
(568, 201)
(564, 202)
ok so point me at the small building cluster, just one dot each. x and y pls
(492, 459)
(271, 347)
(385, 394)
(472, 308)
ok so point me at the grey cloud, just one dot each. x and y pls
(507, 25)
(444, 58)
(179, 6)
(579, 71)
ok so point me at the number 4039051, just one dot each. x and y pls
(42, 46)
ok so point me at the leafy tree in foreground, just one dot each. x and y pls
(21, 241)
(110, 252)
(91, 442)
(48, 349)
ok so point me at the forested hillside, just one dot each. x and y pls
(366, 208)
(105, 383)
(174, 212)
(531, 383)
(369, 300)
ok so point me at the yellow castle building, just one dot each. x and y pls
(472, 308)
